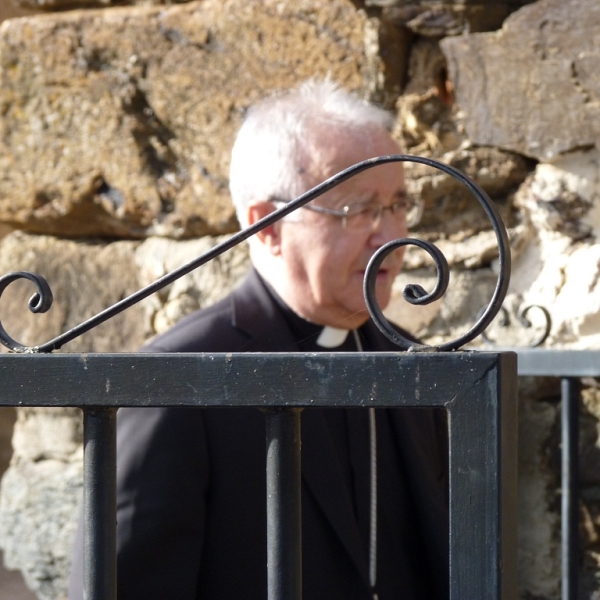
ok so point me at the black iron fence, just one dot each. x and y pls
(570, 366)
(478, 390)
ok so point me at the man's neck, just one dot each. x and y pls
(309, 310)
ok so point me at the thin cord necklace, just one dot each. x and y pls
(373, 508)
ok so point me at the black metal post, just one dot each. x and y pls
(284, 515)
(483, 495)
(570, 498)
(99, 502)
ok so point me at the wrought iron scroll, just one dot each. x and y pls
(415, 294)
(504, 321)
(41, 301)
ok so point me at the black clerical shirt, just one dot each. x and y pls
(397, 521)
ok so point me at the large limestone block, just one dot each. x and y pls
(41, 490)
(534, 86)
(559, 264)
(133, 138)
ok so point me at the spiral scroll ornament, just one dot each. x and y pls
(40, 302)
(42, 298)
(505, 322)
(417, 295)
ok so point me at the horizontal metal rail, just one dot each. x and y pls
(244, 379)
(542, 362)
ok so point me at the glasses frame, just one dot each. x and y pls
(407, 201)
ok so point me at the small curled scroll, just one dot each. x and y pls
(504, 321)
(412, 293)
(416, 294)
(39, 302)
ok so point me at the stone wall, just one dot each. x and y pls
(116, 124)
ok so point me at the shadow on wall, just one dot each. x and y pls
(8, 11)
(12, 586)
(8, 416)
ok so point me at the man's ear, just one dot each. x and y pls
(269, 236)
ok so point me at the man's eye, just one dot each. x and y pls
(369, 209)
(361, 210)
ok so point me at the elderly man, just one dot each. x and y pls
(191, 482)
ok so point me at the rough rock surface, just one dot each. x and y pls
(8, 415)
(133, 139)
(85, 278)
(539, 554)
(550, 104)
(441, 19)
(560, 202)
(429, 125)
(45, 472)
(450, 208)
(63, 4)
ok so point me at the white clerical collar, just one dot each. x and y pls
(331, 337)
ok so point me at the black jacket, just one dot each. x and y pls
(191, 486)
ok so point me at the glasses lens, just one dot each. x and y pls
(365, 216)
(362, 216)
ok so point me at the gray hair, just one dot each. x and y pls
(265, 160)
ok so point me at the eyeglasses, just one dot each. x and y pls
(365, 216)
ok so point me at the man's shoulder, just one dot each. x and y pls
(246, 320)
(205, 330)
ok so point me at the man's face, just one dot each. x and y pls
(324, 262)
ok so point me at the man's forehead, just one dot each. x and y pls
(331, 149)
(330, 156)
(332, 140)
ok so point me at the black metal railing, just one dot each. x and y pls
(570, 366)
(478, 390)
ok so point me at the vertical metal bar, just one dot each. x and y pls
(99, 504)
(483, 485)
(570, 498)
(284, 515)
